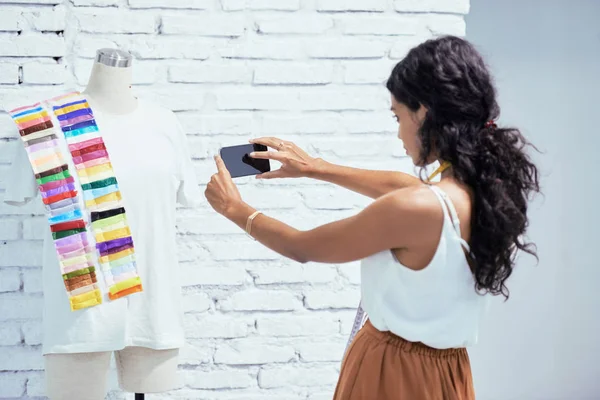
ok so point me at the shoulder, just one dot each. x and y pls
(157, 111)
(164, 120)
(410, 215)
(414, 207)
(418, 200)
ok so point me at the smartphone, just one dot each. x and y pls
(239, 163)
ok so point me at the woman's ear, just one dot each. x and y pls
(422, 112)
(419, 115)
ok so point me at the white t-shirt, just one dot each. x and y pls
(149, 153)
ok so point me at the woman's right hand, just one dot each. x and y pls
(296, 163)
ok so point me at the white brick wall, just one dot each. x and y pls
(258, 326)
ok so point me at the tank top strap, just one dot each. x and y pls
(448, 207)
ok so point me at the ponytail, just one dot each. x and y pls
(502, 177)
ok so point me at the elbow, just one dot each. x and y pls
(302, 260)
(299, 257)
(296, 248)
(299, 253)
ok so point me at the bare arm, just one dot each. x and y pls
(367, 182)
(399, 219)
(297, 163)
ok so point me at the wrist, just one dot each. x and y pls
(318, 168)
(238, 210)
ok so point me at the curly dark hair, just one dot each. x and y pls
(448, 76)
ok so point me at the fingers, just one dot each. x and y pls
(271, 175)
(221, 166)
(271, 142)
(268, 155)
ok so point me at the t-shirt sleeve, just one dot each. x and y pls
(21, 186)
(188, 194)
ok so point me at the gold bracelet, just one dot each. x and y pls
(249, 223)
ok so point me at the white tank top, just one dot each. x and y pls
(437, 305)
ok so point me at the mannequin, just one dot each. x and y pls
(109, 85)
(144, 151)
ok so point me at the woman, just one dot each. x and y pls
(429, 252)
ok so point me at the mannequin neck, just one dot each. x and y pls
(110, 89)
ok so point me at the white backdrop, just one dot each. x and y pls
(543, 344)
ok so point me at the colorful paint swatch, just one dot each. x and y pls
(101, 194)
(86, 216)
(60, 195)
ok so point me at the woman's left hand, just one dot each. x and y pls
(221, 192)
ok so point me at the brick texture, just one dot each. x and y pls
(311, 71)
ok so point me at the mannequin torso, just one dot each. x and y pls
(149, 155)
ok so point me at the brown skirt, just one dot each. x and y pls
(382, 366)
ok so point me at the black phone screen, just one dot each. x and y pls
(239, 163)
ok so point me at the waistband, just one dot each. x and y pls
(410, 347)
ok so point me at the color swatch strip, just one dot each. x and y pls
(101, 194)
(60, 196)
